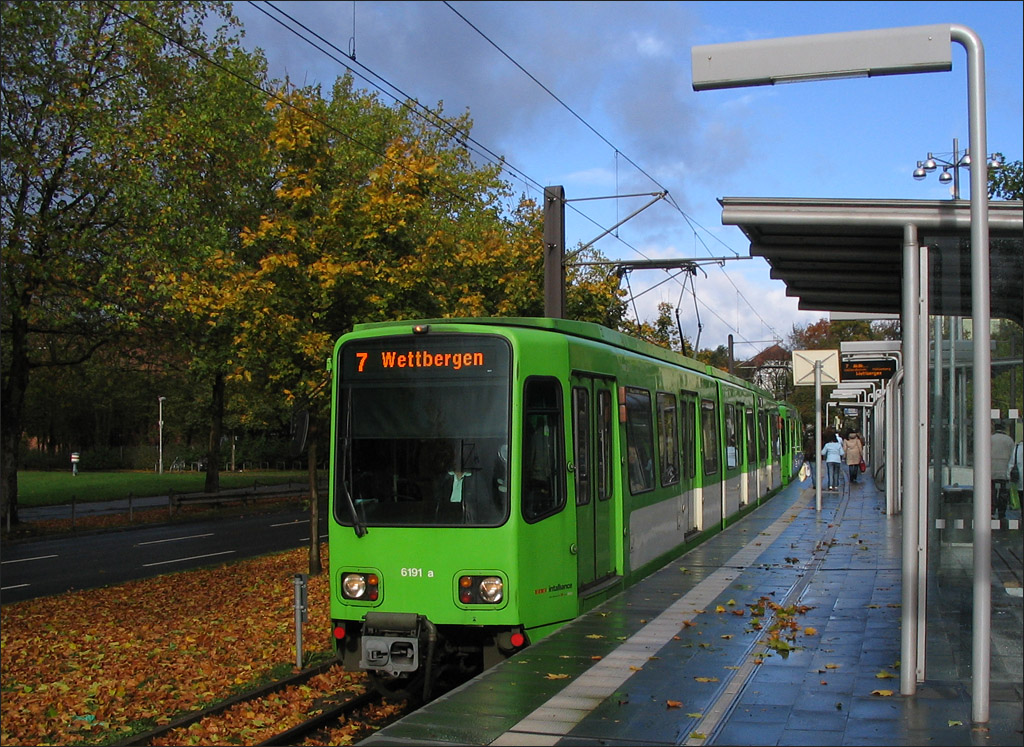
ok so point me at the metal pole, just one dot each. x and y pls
(911, 362)
(300, 614)
(956, 169)
(980, 312)
(817, 435)
(925, 485)
(554, 252)
(951, 432)
(160, 427)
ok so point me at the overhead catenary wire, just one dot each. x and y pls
(616, 150)
(438, 121)
(411, 103)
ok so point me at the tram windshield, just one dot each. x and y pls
(423, 431)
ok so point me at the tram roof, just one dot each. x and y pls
(572, 328)
(847, 255)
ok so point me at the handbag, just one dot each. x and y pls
(863, 466)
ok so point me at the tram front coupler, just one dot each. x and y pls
(393, 643)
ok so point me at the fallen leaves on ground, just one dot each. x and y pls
(256, 722)
(94, 666)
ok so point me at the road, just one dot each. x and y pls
(56, 565)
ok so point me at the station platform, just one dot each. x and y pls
(679, 659)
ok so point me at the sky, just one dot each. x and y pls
(597, 97)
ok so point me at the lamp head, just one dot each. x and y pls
(945, 177)
(919, 172)
(930, 164)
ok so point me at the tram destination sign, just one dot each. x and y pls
(859, 370)
(410, 357)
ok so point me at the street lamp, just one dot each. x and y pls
(160, 424)
(960, 160)
(915, 49)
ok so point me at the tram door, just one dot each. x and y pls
(593, 418)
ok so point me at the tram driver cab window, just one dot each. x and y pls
(543, 490)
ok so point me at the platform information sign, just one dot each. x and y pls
(858, 370)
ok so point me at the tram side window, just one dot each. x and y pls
(762, 433)
(604, 445)
(776, 436)
(751, 438)
(732, 459)
(543, 487)
(581, 441)
(709, 434)
(639, 440)
(667, 438)
(688, 444)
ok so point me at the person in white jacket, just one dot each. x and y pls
(833, 452)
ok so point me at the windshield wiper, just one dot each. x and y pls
(346, 445)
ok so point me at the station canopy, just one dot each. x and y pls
(847, 255)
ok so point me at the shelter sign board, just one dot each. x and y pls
(804, 363)
(858, 370)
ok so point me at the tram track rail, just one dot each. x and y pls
(323, 720)
(353, 703)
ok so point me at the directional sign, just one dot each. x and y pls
(804, 363)
(856, 370)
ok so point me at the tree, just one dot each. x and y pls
(662, 331)
(827, 335)
(376, 216)
(84, 89)
(215, 168)
(1006, 182)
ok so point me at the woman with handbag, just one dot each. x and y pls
(854, 446)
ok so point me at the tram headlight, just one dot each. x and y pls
(481, 589)
(491, 589)
(360, 586)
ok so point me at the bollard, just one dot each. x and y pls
(300, 614)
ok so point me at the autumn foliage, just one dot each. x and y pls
(93, 667)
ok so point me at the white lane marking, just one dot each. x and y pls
(183, 560)
(291, 523)
(16, 586)
(26, 560)
(175, 539)
(559, 715)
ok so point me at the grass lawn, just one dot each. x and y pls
(50, 488)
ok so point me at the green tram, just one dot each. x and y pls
(492, 479)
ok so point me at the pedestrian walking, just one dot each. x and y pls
(1002, 450)
(1015, 474)
(854, 447)
(833, 453)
